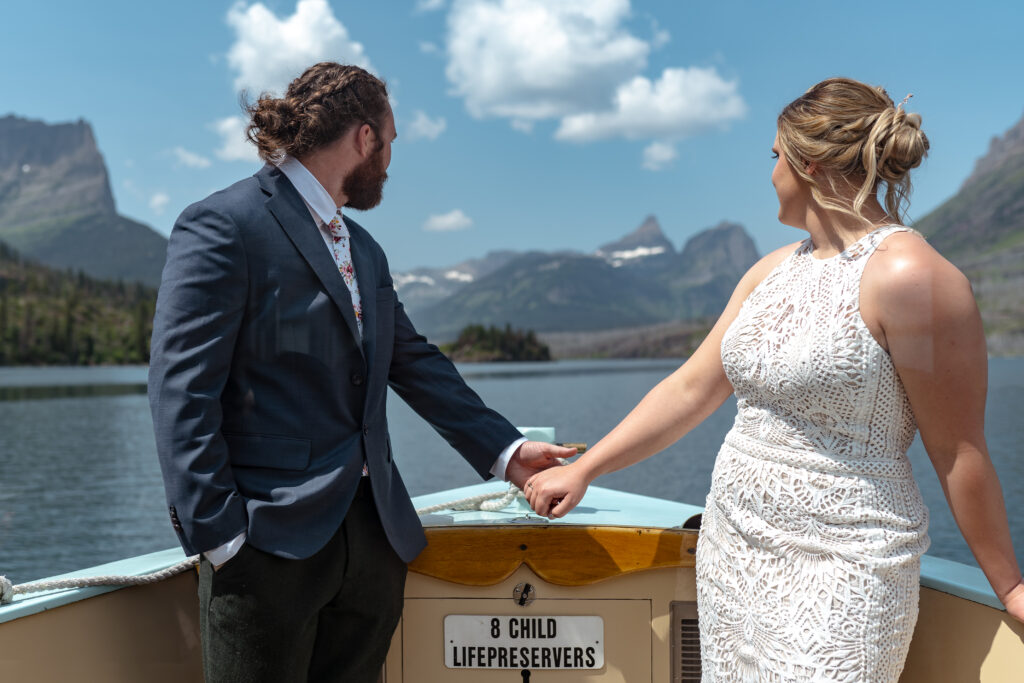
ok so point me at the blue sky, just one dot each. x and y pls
(523, 124)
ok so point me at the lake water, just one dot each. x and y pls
(80, 484)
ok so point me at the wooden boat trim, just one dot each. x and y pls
(560, 554)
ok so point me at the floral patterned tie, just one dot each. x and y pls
(343, 258)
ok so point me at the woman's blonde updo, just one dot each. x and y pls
(852, 132)
(318, 107)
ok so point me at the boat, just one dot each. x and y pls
(606, 593)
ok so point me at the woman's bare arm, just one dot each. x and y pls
(671, 409)
(926, 313)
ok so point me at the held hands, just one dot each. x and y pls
(554, 492)
(533, 457)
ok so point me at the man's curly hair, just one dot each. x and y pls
(317, 109)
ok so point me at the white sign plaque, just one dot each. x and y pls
(479, 641)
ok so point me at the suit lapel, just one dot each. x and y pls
(290, 211)
(364, 265)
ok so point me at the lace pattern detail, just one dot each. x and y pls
(808, 559)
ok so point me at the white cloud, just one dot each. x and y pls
(429, 5)
(447, 222)
(234, 145)
(269, 52)
(658, 155)
(428, 48)
(158, 202)
(190, 159)
(577, 61)
(682, 102)
(424, 127)
(534, 59)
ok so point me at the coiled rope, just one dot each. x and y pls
(487, 502)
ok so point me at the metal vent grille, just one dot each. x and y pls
(685, 643)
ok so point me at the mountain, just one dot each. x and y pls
(1000, 149)
(987, 214)
(638, 280)
(981, 230)
(56, 205)
(711, 264)
(421, 287)
(645, 247)
(544, 292)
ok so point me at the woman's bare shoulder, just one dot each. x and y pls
(909, 272)
(906, 255)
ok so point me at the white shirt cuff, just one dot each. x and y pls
(223, 553)
(501, 464)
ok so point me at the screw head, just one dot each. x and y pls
(524, 594)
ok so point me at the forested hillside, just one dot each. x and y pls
(56, 317)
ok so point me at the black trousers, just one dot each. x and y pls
(327, 618)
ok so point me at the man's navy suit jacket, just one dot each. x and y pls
(264, 402)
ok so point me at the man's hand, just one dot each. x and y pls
(533, 457)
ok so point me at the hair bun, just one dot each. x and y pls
(913, 120)
(900, 144)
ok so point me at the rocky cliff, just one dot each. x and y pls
(56, 205)
(981, 230)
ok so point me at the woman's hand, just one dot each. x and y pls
(1014, 601)
(554, 492)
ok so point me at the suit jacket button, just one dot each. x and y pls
(366, 430)
(357, 378)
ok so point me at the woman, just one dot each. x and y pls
(837, 348)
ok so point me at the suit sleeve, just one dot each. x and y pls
(199, 310)
(427, 380)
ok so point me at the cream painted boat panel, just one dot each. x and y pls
(142, 634)
(959, 641)
(635, 609)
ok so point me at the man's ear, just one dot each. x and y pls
(366, 140)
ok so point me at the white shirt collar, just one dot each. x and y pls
(312, 192)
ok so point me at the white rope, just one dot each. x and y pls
(488, 502)
(8, 590)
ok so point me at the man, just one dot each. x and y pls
(277, 332)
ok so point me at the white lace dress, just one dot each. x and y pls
(809, 554)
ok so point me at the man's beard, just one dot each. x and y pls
(364, 186)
